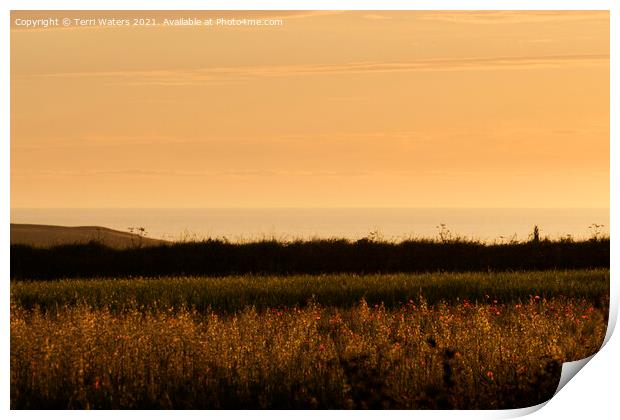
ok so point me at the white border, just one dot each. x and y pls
(591, 394)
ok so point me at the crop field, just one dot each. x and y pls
(440, 340)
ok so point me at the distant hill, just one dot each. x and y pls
(46, 236)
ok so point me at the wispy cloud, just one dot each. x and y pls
(243, 145)
(536, 41)
(452, 172)
(166, 173)
(95, 140)
(492, 17)
(376, 16)
(220, 75)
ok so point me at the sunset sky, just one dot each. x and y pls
(331, 109)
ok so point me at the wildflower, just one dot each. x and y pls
(537, 297)
(490, 374)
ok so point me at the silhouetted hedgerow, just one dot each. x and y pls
(217, 257)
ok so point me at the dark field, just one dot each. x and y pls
(473, 340)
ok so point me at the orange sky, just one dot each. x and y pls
(332, 109)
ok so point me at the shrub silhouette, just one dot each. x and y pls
(218, 257)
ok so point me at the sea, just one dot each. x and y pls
(391, 224)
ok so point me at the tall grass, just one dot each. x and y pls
(442, 340)
(417, 356)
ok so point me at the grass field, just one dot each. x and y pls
(476, 340)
